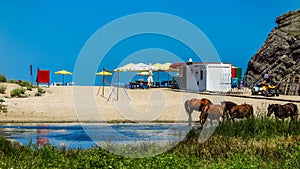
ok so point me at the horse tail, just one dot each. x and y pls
(187, 108)
(296, 109)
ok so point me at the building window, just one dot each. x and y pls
(201, 75)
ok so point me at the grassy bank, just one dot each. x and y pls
(259, 143)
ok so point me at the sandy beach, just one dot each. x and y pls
(63, 104)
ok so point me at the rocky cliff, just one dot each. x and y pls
(280, 54)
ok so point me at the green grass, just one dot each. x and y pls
(13, 81)
(260, 143)
(18, 92)
(2, 78)
(2, 89)
(41, 90)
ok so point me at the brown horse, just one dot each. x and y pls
(283, 111)
(214, 112)
(200, 105)
(241, 111)
(227, 107)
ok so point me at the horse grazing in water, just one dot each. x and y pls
(241, 111)
(200, 105)
(227, 107)
(283, 111)
(214, 112)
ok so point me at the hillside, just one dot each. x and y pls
(280, 54)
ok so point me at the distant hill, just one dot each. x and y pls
(280, 54)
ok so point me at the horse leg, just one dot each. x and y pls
(225, 115)
(190, 117)
(293, 119)
(232, 118)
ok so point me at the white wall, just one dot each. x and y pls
(194, 81)
(218, 77)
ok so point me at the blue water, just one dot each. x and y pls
(73, 136)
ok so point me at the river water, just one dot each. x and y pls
(73, 136)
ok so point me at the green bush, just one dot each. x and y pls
(2, 89)
(13, 81)
(29, 87)
(37, 94)
(2, 78)
(3, 108)
(18, 92)
(27, 84)
(40, 90)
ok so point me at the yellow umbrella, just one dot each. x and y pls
(159, 66)
(166, 66)
(63, 72)
(103, 73)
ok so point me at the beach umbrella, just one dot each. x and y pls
(125, 68)
(166, 67)
(163, 67)
(63, 73)
(103, 73)
(158, 66)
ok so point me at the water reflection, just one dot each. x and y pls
(42, 135)
(73, 136)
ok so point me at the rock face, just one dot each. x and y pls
(280, 55)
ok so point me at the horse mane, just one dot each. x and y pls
(207, 100)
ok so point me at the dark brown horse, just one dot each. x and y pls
(200, 105)
(241, 111)
(283, 111)
(228, 105)
(214, 112)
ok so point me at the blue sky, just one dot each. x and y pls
(51, 34)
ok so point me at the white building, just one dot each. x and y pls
(206, 76)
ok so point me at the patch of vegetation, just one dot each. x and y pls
(41, 90)
(2, 89)
(37, 94)
(18, 92)
(240, 149)
(2, 78)
(13, 81)
(3, 108)
(27, 85)
(259, 129)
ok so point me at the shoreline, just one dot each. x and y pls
(83, 104)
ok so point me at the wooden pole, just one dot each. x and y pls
(118, 85)
(103, 69)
